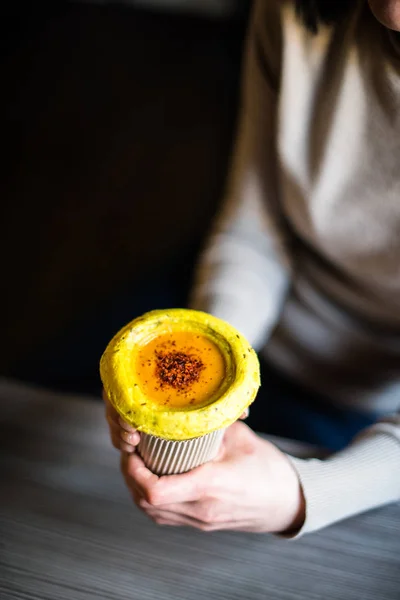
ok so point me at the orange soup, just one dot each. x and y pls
(180, 369)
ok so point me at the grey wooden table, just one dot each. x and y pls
(68, 529)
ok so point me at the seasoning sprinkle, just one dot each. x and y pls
(178, 370)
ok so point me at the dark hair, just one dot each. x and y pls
(327, 12)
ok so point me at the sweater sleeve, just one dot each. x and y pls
(363, 476)
(244, 271)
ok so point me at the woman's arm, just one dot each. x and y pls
(244, 271)
(363, 476)
(244, 275)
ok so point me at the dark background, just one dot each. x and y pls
(117, 124)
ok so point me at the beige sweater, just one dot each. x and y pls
(305, 257)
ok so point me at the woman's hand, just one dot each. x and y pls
(251, 486)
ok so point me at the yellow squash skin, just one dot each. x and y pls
(237, 392)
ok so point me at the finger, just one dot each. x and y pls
(116, 441)
(135, 470)
(238, 438)
(167, 517)
(126, 426)
(136, 497)
(127, 448)
(205, 511)
(171, 519)
(132, 439)
(136, 492)
(245, 414)
(238, 441)
(121, 445)
(113, 416)
(121, 440)
(113, 425)
(165, 523)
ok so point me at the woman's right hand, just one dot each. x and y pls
(124, 437)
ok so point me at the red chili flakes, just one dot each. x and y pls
(178, 369)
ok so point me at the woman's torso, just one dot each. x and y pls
(339, 159)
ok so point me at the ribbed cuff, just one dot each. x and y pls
(363, 476)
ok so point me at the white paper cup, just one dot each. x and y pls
(168, 457)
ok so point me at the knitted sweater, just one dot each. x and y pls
(304, 258)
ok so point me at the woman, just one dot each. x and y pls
(304, 260)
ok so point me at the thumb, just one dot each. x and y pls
(134, 468)
(167, 489)
(185, 487)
